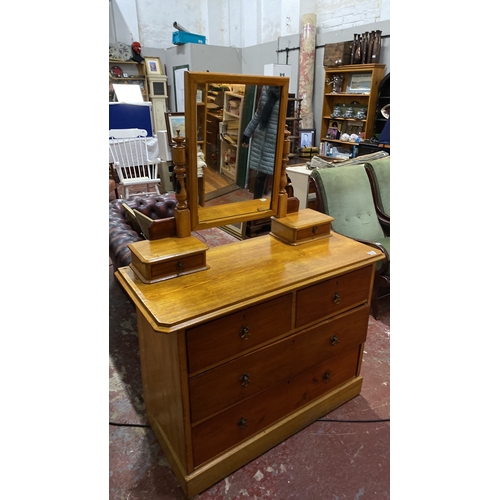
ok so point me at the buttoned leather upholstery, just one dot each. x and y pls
(121, 233)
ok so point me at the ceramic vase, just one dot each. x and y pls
(375, 57)
(353, 48)
(357, 50)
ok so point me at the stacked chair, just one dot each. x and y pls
(128, 151)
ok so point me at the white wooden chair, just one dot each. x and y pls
(128, 150)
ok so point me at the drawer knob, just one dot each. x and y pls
(314, 229)
(245, 333)
(242, 423)
(245, 379)
(334, 340)
(336, 298)
(326, 377)
(180, 265)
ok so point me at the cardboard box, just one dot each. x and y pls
(337, 54)
(181, 37)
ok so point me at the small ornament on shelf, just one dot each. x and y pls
(336, 82)
(116, 72)
(120, 51)
(337, 112)
(136, 56)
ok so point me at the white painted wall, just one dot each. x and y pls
(123, 22)
(235, 23)
(257, 30)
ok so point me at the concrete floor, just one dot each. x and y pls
(344, 455)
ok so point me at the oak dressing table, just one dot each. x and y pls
(259, 343)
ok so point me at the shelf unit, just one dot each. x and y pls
(201, 121)
(212, 153)
(231, 120)
(136, 74)
(366, 98)
(215, 103)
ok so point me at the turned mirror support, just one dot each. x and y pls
(282, 195)
(182, 215)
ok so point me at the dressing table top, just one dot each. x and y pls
(240, 274)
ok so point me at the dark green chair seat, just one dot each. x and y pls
(345, 194)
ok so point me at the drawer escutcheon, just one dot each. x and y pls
(245, 333)
(245, 379)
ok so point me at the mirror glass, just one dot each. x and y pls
(234, 165)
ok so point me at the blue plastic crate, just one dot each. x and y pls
(181, 37)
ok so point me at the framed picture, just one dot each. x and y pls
(333, 131)
(175, 122)
(179, 86)
(359, 83)
(153, 66)
(306, 137)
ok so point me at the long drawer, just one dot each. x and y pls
(231, 427)
(333, 295)
(216, 389)
(230, 335)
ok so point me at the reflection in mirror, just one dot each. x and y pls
(238, 120)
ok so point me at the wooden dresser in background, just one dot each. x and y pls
(239, 357)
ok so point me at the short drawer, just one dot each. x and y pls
(182, 265)
(222, 338)
(333, 295)
(217, 389)
(227, 429)
(310, 233)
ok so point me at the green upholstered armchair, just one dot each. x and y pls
(379, 175)
(345, 194)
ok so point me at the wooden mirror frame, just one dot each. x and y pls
(230, 213)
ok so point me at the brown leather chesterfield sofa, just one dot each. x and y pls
(121, 233)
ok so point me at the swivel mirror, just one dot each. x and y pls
(235, 127)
